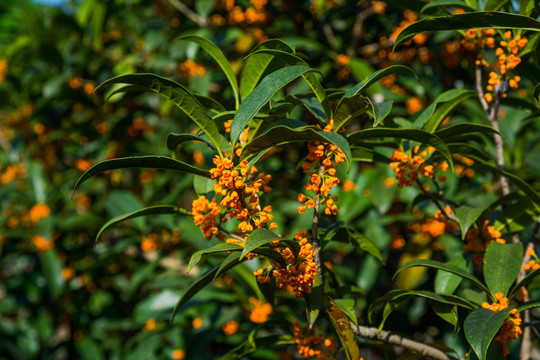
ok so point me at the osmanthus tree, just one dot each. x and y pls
(485, 285)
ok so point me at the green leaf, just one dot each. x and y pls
(445, 267)
(347, 307)
(462, 129)
(255, 66)
(537, 92)
(380, 110)
(262, 94)
(447, 312)
(52, 270)
(502, 263)
(314, 301)
(349, 108)
(343, 328)
(153, 162)
(203, 185)
(481, 326)
(438, 4)
(523, 283)
(467, 216)
(287, 131)
(152, 210)
(218, 56)
(258, 238)
(445, 282)
(488, 19)
(421, 136)
(175, 140)
(435, 113)
(176, 93)
(366, 244)
(528, 305)
(370, 80)
(310, 78)
(219, 248)
(202, 282)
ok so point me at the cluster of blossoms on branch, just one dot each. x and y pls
(322, 173)
(477, 241)
(310, 342)
(507, 57)
(408, 166)
(510, 329)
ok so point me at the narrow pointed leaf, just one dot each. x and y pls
(445, 267)
(467, 216)
(502, 263)
(347, 307)
(152, 210)
(175, 140)
(523, 283)
(421, 136)
(219, 248)
(176, 93)
(487, 19)
(258, 238)
(481, 326)
(201, 283)
(365, 244)
(218, 56)
(288, 131)
(152, 162)
(314, 301)
(380, 110)
(310, 78)
(262, 94)
(462, 129)
(343, 328)
(434, 114)
(528, 305)
(255, 66)
(349, 108)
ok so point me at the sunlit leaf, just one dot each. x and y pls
(481, 326)
(502, 263)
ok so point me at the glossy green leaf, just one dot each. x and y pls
(446, 283)
(202, 282)
(349, 108)
(488, 19)
(502, 263)
(152, 210)
(481, 326)
(271, 254)
(219, 248)
(438, 4)
(445, 267)
(370, 80)
(220, 58)
(462, 129)
(230, 261)
(203, 185)
(258, 238)
(347, 307)
(430, 119)
(421, 136)
(314, 301)
(282, 133)
(341, 324)
(262, 94)
(447, 312)
(523, 283)
(152, 162)
(175, 140)
(528, 305)
(310, 78)
(467, 216)
(176, 93)
(366, 244)
(256, 66)
(380, 110)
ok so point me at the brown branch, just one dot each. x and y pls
(315, 228)
(480, 89)
(450, 216)
(193, 16)
(392, 339)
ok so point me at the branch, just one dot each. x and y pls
(450, 216)
(193, 16)
(392, 339)
(357, 30)
(315, 228)
(479, 89)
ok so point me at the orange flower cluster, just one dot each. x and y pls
(407, 166)
(39, 211)
(322, 180)
(42, 244)
(12, 172)
(344, 69)
(478, 241)
(189, 69)
(204, 215)
(3, 69)
(510, 329)
(237, 15)
(259, 311)
(379, 7)
(413, 105)
(230, 327)
(534, 263)
(299, 273)
(409, 18)
(464, 168)
(506, 53)
(240, 187)
(310, 343)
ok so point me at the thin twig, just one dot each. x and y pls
(193, 16)
(450, 216)
(315, 228)
(480, 89)
(392, 339)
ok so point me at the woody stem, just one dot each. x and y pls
(315, 226)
